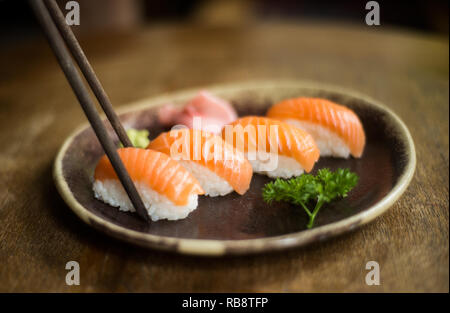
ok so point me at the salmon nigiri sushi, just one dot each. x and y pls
(273, 148)
(336, 129)
(218, 167)
(167, 189)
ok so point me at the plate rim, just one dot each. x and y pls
(216, 247)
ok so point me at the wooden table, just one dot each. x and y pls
(39, 234)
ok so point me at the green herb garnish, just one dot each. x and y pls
(139, 138)
(306, 189)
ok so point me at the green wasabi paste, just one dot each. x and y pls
(139, 138)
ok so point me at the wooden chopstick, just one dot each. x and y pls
(67, 65)
(87, 70)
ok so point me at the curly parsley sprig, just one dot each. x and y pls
(302, 190)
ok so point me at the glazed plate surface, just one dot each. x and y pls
(245, 224)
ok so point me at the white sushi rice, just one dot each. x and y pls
(158, 206)
(212, 184)
(274, 165)
(328, 142)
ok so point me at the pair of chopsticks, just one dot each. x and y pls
(59, 35)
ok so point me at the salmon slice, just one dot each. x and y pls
(208, 150)
(338, 119)
(258, 133)
(161, 173)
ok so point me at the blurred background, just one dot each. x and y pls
(18, 24)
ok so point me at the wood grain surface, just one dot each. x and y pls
(39, 234)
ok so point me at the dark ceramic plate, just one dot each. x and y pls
(245, 224)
